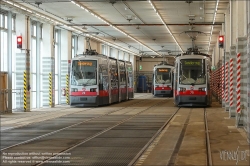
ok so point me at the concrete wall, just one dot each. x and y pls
(148, 63)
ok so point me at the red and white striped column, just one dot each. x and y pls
(222, 83)
(219, 82)
(214, 84)
(215, 80)
(226, 87)
(238, 84)
(231, 83)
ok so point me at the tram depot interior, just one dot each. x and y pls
(40, 37)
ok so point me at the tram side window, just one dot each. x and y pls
(103, 77)
(114, 76)
(122, 77)
(176, 76)
(130, 79)
(100, 78)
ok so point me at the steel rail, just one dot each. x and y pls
(15, 127)
(179, 141)
(134, 160)
(99, 133)
(46, 113)
(56, 131)
(209, 156)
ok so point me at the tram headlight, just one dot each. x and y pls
(182, 89)
(74, 90)
(202, 89)
(92, 89)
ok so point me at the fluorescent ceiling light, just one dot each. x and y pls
(68, 27)
(83, 7)
(158, 14)
(212, 28)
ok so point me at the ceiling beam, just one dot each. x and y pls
(197, 24)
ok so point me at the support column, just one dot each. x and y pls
(48, 66)
(80, 45)
(213, 59)
(233, 22)
(248, 71)
(241, 48)
(222, 75)
(23, 62)
(227, 56)
(121, 55)
(9, 46)
(38, 64)
(66, 47)
(233, 29)
(232, 109)
(114, 52)
(217, 56)
(227, 31)
(227, 82)
(126, 56)
(241, 20)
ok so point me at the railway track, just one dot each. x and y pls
(124, 121)
(183, 144)
(53, 117)
(133, 102)
(209, 153)
(69, 150)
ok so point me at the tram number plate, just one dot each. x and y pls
(192, 98)
(83, 99)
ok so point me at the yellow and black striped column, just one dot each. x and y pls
(67, 89)
(50, 90)
(25, 91)
(22, 81)
(48, 82)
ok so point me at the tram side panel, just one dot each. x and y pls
(130, 80)
(99, 80)
(114, 91)
(122, 81)
(103, 82)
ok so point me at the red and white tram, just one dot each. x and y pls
(192, 80)
(100, 80)
(162, 84)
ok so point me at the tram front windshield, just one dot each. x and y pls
(192, 71)
(162, 75)
(84, 72)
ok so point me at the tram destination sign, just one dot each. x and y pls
(84, 63)
(162, 70)
(192, 62)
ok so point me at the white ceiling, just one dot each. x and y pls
(145, 25)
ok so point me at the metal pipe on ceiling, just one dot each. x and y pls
(199, 24)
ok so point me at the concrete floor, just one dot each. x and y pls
(229, 144)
